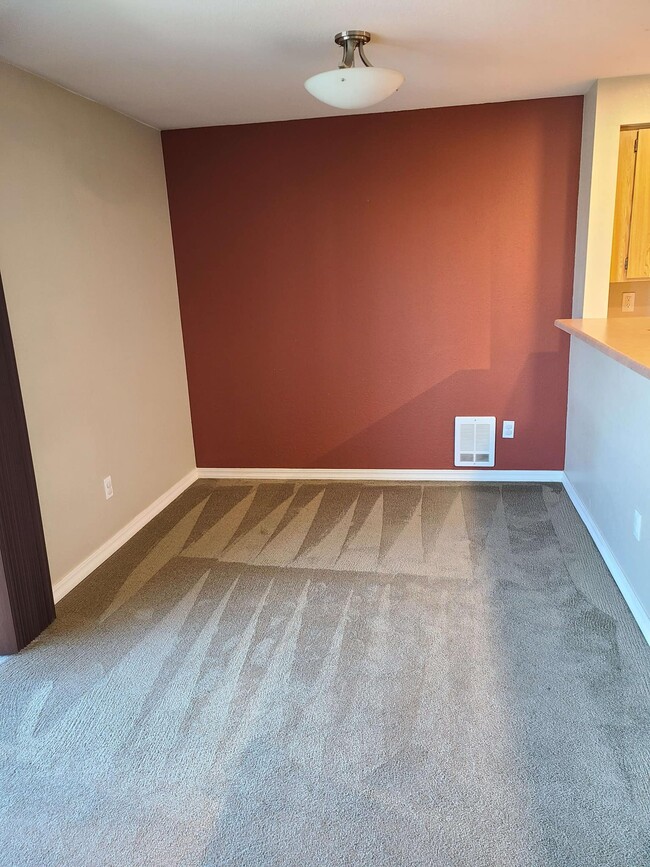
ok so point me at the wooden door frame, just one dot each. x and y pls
(26, 600)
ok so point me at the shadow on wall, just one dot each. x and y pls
(349, 334)
(420, 432)
(419, 435)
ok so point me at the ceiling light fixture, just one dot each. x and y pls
(352, 86)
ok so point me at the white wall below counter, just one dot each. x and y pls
(608, 466)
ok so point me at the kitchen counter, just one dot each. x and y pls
(625, 340)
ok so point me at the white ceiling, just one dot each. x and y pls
(182, 63)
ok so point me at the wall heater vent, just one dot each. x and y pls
(474, 441)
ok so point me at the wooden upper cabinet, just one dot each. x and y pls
(623, 212)
(638, 254)
(631, 240)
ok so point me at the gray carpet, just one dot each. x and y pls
(335, 674)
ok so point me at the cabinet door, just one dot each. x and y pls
(623, 211)
(638, 255)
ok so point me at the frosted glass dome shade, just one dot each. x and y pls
(357, 87)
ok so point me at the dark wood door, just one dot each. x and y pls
(26, 602)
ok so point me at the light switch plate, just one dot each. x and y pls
(508, 432)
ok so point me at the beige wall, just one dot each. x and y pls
(610, 104)
(87, 263)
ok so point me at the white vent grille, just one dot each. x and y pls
(474, 441)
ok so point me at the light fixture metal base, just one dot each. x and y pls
(361, 36)
(351, 41)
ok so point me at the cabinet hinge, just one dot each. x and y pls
(625, 265)
(636, 143)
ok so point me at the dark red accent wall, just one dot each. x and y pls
(348, 285)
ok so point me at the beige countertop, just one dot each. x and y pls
(624, 340)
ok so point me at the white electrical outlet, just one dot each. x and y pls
(638, 520)
(508, 432)
(108, 487)
(628, 302)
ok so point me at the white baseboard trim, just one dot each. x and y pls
(638, 611)
(383, 475)
(76, 576)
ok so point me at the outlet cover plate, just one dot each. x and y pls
(627, 305)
